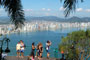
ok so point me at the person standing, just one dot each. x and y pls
(18, 49)
(37, 50)
(40, 50)
(22, 48)
(48, 43)
(62, 52)
(32, 55)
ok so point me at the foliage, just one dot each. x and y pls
(70, 6)
(76, 45)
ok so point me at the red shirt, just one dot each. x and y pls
(62, 52)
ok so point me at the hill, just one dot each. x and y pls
(6, 20)
(57, 19)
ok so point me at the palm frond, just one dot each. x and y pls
(70, 6)
(14, 9)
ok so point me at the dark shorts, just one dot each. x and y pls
(22, 51)
(47, 51)
(62, 55)
(18, 50)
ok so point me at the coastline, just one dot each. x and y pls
(43, 25)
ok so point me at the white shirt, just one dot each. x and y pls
(18, 46)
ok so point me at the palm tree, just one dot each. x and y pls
(15, 11)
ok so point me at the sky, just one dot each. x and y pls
(51, 8)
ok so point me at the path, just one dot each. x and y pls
(25, 58)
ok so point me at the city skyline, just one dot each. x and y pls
(51, 8)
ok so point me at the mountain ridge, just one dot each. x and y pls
(57, 19)
(6, 20)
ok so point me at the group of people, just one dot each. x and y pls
(39, 50)
(20, 49)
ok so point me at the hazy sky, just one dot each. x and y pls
(51, 8)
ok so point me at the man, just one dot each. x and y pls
(47, 48)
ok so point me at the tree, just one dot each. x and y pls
(15, 11)
(76, 45)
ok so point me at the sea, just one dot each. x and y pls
(39, 36)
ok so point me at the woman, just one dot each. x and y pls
(40, 50)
